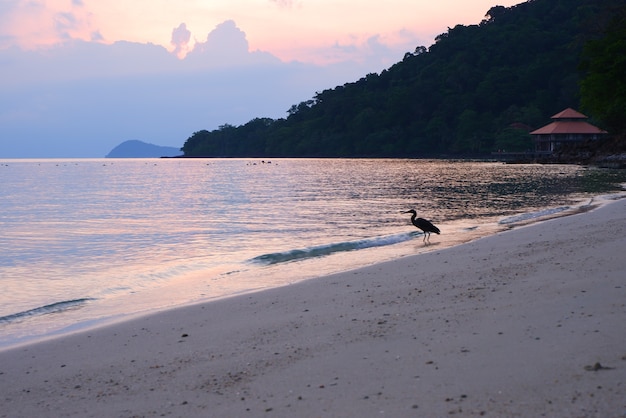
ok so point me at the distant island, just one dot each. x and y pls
(140, 149)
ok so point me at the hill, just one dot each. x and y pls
(477, 89)
(140, 149)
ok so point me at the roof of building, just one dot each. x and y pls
(569, 121)
(568, 127)
(569, 113)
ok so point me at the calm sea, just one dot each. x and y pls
(88, 241)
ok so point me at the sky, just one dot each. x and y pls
(79, 77)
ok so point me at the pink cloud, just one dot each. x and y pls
(180, 40)
(30, 24)
(226, 46)
(225, 39)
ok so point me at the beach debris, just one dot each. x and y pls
(597, 366)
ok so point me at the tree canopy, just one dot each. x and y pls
(477, 89)
(603, 90)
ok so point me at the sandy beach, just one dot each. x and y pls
(530, 322)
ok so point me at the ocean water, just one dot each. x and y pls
(84, 242)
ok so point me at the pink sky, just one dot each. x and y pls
(318, 31)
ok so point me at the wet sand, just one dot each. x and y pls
(528, 322)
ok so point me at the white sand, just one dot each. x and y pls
(503, 326)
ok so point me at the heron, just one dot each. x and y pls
(426, 226)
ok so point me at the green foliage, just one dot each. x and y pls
(469, 93)
(513, 139)
(603, 89)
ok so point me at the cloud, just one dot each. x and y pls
(225, 40)
(180, 39)
(34, 23)
(374, 53)
(81, 99)
(65, 23)
(75, 23)
(30, 24)
(226, 46)
(96, 36)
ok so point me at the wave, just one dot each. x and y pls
(532, 215)
(52, 308)
(328, 249)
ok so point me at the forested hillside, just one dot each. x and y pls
(477, 89)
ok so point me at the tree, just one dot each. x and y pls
(603, 89)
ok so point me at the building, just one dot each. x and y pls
(567, 127)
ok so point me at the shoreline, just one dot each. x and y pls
(460, 236)
(522, 323)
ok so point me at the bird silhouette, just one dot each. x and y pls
(426, 226)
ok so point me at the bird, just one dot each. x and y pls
(426, 226)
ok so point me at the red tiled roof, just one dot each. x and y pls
(569, 113)
(568, 127)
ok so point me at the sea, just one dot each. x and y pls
(86, 242)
